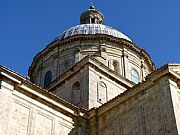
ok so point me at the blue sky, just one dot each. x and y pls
(27, 26)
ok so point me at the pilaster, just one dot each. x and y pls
(125, 63)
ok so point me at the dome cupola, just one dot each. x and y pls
(92, 23)
(92, 16)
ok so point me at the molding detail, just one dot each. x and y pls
(122, 43)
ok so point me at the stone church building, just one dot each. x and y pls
(91, 80)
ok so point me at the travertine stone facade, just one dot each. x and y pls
(151, 107)
(91, 74)
(26, 109)
(146, 109)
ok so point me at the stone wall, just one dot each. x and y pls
(28, 110)
(78, 97)
(96, 86)
(143, 110)
(101, 88)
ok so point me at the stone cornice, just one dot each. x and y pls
(23, 85)
(52, 103)
(85, 38)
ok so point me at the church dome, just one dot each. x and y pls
(91, 29)
(92, 38)
(91, 24)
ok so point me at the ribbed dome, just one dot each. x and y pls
(88, 29)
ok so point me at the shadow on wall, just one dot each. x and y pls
(80, 127)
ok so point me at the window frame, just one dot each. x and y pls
(135, 76)
(102, 92)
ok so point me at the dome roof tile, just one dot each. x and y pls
(88, 29)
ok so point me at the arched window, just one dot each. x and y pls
(134, 76)
(47, 78)
(102, 92)
(76, 87)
